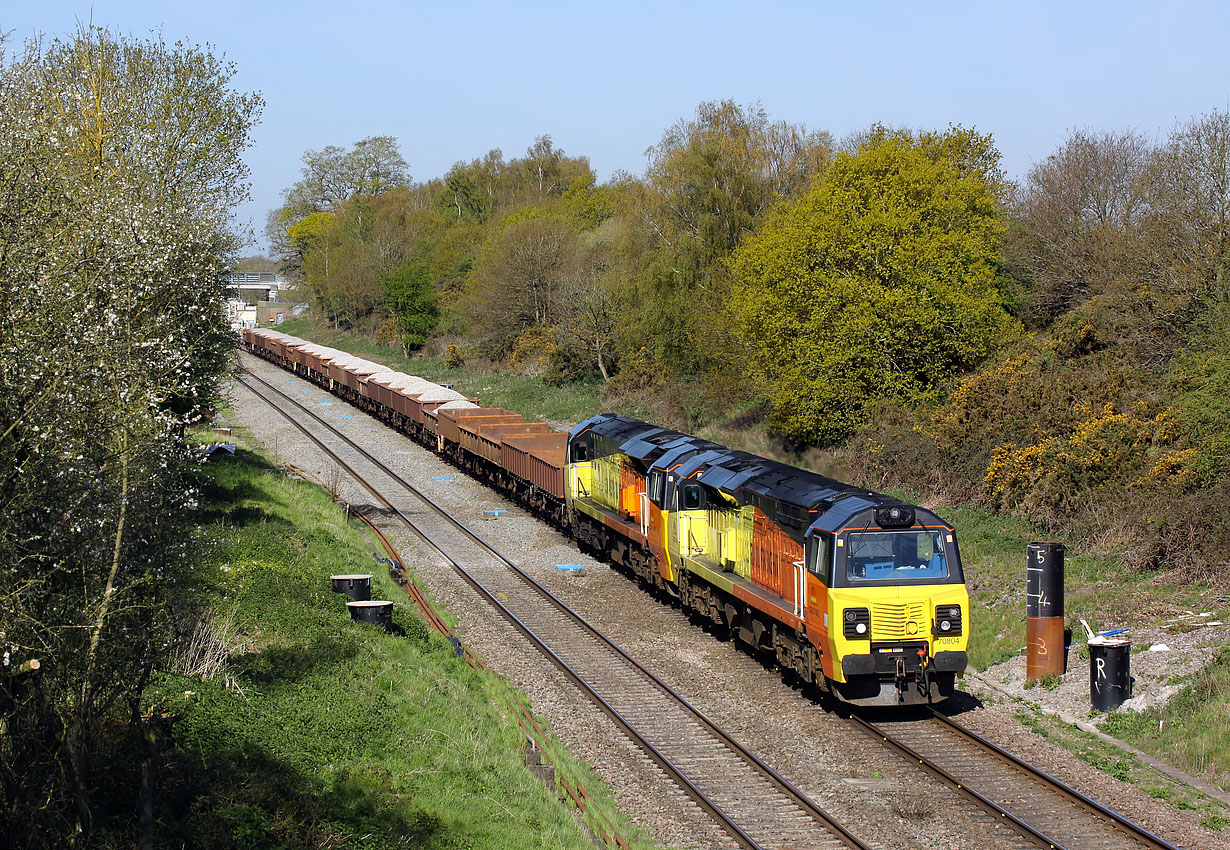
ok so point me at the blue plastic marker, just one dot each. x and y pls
(497, 513)
(447, 479)
(571, 567)
(367, 430)
(345, 416)
(326, 402)
(401, 452)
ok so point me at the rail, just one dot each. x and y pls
(834, 832)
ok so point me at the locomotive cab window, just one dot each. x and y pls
(692, 499)
(580, 452)
(896, 556)
(657, 487)
(820, 558)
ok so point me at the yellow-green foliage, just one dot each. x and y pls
(1200, 377)
(878, 283)
(309, 230)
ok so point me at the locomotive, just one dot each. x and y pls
(848, 589)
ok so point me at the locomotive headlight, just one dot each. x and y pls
(947, 620)
(857, 623)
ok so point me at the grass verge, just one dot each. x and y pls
(292, 726)
(1126, 767)
(1192, 730)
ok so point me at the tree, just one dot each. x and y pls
(588, 203)
(464, 194)
(522, 277)
(712, 179)
(411, 299)
(331, 177)
(334, 175)
(542, 165)
(1189, 220)
(1076, 224)
(122, 161)
(877, 283)
(376, 166)
(588, 319)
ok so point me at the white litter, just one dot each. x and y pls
(1159, 647)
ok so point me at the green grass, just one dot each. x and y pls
(310, 730)
(1192, 731)
(1114, 761)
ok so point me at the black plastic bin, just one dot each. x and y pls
(1110, 673)
(379, 612)
(357, 587)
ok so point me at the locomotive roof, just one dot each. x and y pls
(740, 474)
(614, 427)
(650, 444)
(678, 451)
(777, 481)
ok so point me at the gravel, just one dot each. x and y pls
(861, 784)
(1163, 651)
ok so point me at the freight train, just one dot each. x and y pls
(850, 590)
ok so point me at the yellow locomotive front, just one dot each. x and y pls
(896, 613)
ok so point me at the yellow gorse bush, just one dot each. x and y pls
(1106, 448)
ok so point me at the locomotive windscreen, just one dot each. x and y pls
(896, 556)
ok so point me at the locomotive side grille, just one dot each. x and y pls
(899, 622)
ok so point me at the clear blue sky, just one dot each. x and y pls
(452, 80)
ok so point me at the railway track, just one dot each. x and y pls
(756, 806)
(1044, 811)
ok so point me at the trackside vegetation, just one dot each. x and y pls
(895, 244)
(1050, 346)
(120, 161)
(287, 725)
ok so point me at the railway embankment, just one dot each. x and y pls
(293, 726)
